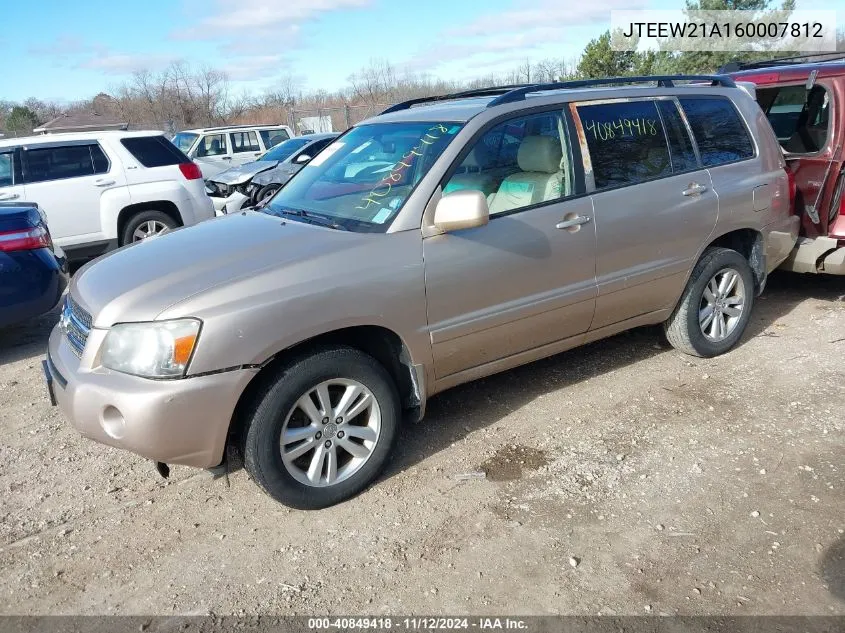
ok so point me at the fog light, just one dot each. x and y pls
(113, 423)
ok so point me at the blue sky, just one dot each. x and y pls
(72, 50)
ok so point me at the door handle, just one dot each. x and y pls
(226, 157)
(694, 189)
(103, 183)
(578, 220)
(9, 196)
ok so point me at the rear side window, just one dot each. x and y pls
(720, 133)
(7, 169)
(680, 144)
(244, 142)
(58, 163)
(272, 138)
(626, 142)
(154, 151)
(98, 157)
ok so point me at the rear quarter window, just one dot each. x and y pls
(718, 130)
(154, 151)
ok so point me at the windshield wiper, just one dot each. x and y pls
(313, 218)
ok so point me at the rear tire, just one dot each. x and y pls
(148, 223)
(716, 305)
(327, 459)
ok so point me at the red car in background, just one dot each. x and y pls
(805, 103)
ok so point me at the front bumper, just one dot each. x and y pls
(173, 421)
(231, 204)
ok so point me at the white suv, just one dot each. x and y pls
(217, 148)
(101, 190)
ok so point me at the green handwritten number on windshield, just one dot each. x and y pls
(397, 172)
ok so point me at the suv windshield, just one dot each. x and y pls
(361, 181)
(285, 149)
(184, 140)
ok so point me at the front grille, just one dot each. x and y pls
(76, 323)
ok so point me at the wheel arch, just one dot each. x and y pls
(749, 243)
(383, 344)
(167, 207)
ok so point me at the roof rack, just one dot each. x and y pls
(732, 67)
(475, 92)
(663, 81)
(234, 127)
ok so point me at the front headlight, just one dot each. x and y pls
(157, 349)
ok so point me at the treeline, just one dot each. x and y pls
(182, 96)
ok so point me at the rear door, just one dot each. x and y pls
(68, 181)
(245, 146)
(654, 204)
(11, 184)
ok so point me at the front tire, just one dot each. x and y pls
(266, 192)
(716, 305)
(322, 428)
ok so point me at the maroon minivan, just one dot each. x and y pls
(805, 103)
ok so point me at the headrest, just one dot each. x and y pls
(539, 154)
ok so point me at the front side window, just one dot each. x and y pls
(626, 142)
(720, 133)
(184, 141)
(519, 163)
(273, 137)
(361, 180)
(7, 169)
(799, 118)
(244, 142)
(212, 145)
(58, 163)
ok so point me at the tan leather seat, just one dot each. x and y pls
(540, 180)
(474, 176)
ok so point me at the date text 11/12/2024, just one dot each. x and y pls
(417, 623)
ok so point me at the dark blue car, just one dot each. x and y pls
(33, 272)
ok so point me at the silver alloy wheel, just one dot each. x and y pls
(268, 193)
(722, 305)
(330, 432)
(150, 228)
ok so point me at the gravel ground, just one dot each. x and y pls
(619, 478)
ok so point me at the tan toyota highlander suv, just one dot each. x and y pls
(444, 240)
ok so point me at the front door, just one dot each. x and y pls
(526, 279)
(11, 187)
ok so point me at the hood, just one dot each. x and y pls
(140, 281)
(279, 175)
(239, 174)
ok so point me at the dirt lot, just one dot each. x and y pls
(621, 478)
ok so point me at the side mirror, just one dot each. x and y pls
(459, 210)
(302, 158)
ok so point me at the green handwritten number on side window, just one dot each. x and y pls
(621, 128)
